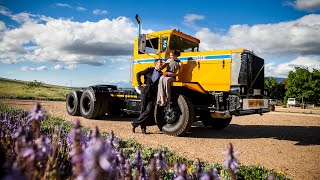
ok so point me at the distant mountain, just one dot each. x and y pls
(122, 84)
(278, 79)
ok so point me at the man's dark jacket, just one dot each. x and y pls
(148, 97)
(150, 91)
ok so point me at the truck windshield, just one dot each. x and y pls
(184, 45)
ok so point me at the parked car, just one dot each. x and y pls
(293, 102)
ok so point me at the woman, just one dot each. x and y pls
(164, 87)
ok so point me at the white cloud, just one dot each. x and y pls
(119, 67)
(71, 66)
(63, 5)
(189, 19)
(22, 18)
(60, 67)
(282, 70)
(121, 59)
(99, 12)
(81, 8)
(40, 68)
(308, 5)
(298, 37)
(4, 11)
(66, 41)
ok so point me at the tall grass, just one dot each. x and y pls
(13, 89)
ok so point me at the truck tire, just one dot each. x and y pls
(216, 123)
(175, 119)
(73, 103)
(89, 108)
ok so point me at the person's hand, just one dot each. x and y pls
(143, 85)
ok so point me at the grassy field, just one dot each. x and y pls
(31, 90)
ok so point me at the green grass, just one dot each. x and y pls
(15, 89)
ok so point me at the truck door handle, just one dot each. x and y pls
(198, 64)
(223, 64)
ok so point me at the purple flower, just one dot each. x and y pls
(215, 174)
(112, 140)
(230, 162)
(181, 172)
(29, 152)
(138, 159)
(18, 132)
(271, 177)
(43, 145)
(160, 160)
(36, 114)
(204, 176)
(128, 169)
(198, 168)
(143, 174)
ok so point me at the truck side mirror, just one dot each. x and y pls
(142, 43)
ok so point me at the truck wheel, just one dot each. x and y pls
(89, 108)
(175, 119)
(73, 103)
(216, 123)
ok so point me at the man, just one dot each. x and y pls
(148, 94)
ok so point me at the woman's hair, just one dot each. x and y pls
(175, 52)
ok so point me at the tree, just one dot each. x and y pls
(302, 83)
(271, 84)
(276, 90)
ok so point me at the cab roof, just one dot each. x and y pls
(178, 33)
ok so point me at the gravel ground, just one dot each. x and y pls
(287, 143)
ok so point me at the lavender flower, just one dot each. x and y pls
(231, 162)
(36, 114)
(138, 160)
(198, 168)
(128, 171)
(153, 171)
(160, 160)
(18, 133)
(112, 140)
(181, 172)
(121, 164)
(215, 174)
(34, 119)
(76, 153)
(143, 174)
(99, 159)
(30, 153)
(271, 177)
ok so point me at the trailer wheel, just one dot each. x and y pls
(216, 123)
(175, 119)
(89, 108)
(73, 103)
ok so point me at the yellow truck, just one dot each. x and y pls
(212, 86)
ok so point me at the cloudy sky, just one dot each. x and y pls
(81, 43)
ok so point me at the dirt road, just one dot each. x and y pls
(286, 143)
